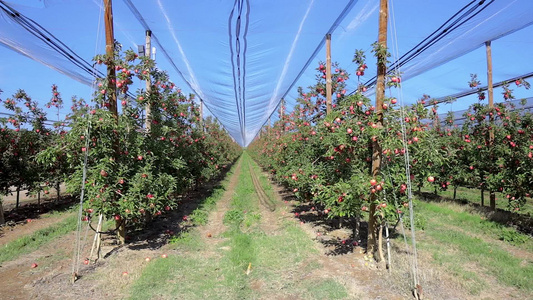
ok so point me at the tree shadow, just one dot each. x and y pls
(338, 235)
(172, 224)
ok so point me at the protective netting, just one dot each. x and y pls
(241, 57)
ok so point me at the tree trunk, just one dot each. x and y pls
(492, 201)
(121, 231)
(2, 220)
(371, 239)
(147, 219)
(380, 243)
(58, 187)
(357, 228)
(454, 192)
(482, 197)
(18, 197)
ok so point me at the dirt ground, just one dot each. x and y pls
(342, 258)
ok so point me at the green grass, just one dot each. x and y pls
(457, 216)
(32, 242)
(467, 245)
(199, 215)
(265, 183)
(468, 195)
(219, 271)
(326, 289)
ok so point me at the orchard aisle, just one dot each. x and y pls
(248, 251)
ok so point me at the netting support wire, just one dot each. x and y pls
(77, 252)
(480, 89)
(46, 37)
(455, 23)
(414, 264)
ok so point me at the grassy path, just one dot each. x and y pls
(237, 255)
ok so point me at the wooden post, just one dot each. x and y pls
(328, 74)
(281, 114)
(490, 91)
(110, 51)
(202, 114)
(376, 147)
(148, 52)
(111, 77)
(282, 103)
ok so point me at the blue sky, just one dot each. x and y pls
(281, 37)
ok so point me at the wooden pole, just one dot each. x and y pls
(376, 147)
(112, 90)
(328, 74)
(202, 114)
(281, 114)
(490, 91)
(148, 52)
(282, 103)
(110, 51)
